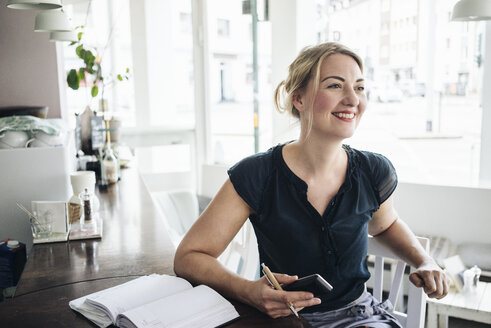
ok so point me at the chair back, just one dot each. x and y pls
(180, 209)
(416, 306)
(241, 255)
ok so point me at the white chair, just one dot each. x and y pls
(415, 316)
(241, 255)
(180, 209)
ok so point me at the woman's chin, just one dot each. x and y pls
(341, 135)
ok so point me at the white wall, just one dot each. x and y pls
(458, 213)
(29, 71)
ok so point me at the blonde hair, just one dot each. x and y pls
(304, 68)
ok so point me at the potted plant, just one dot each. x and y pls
(90, 74)
(91, 70)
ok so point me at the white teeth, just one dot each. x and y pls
(344, 115)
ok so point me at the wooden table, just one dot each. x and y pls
(134, 243)
(475, 306)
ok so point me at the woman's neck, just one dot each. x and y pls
(312, 157)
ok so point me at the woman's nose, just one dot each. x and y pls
(350, 98)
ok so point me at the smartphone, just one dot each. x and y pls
(313, 283)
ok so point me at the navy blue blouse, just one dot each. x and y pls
(294, 238)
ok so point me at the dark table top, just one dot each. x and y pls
(134, 243)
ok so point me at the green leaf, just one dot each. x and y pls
(90, 55)
(81, 74)
(127, 70)
(79, 35)
(94, 91)
(79, 51)
(120, 77)
(88, 58)
(72, 43)
(73, 80)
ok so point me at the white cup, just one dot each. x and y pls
(42, 139)
(13, 139)
(81, 180)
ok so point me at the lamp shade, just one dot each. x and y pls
(472, 10)
(70, 36)
(52, 21)
(34, 4)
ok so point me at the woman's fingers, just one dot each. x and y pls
(279, 309)
(275, 302)
(432, 279)
(416, 280)
(284, 278)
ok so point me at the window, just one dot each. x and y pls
(428, 143)
(106, 29)
(223, 28)
(185, 22)
(385, 5)
(390, 36)
(161, 83)
(231, 80)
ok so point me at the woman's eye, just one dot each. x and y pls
(360, 88)
(334, 86)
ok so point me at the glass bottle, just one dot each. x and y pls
(109, 163)
(87, 211)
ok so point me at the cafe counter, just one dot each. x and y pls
(134, 243)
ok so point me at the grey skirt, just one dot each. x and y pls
(364, 311)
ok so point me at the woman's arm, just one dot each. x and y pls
(393, 233)
(196, 258)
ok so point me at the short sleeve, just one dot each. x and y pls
(383, 176)
(249, 178)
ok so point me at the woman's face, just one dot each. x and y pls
(340, 100)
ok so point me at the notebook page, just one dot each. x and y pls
(200, 305)
(100, 318)
(97, 314)
(134, 293)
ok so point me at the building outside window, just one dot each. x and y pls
(223, 28)
(230, 81)
(436, 144)
(395, 123)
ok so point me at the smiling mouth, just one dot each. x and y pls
(344, 115)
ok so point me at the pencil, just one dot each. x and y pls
(274, 283)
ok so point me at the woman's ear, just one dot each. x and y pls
(298, 101)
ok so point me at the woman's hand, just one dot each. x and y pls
(274, 302)
(393, 233)
(432, 279)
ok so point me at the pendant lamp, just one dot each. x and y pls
(52, 21)
(472, 10)
(34, 4)
(71, 36)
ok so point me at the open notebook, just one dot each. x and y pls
(156, 301)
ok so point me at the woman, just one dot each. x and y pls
(312, 203)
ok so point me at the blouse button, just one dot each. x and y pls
(323, 228)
